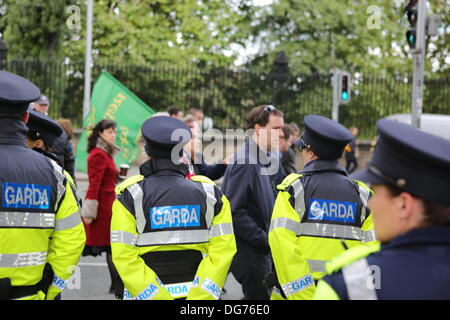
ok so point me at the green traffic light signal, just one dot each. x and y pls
(344, 88)
(411, 38)
(344, 96)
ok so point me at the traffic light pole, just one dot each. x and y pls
(88, 60)
(418, 65)
(335, 107)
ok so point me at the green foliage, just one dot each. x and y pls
(171, 52)
(33, 28)
(439, 51)
(137, 31)
(365, 36)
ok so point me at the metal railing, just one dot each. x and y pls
(227, 95)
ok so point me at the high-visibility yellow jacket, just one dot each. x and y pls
(39, 223)
(153, 234)
(302, 239)
(360, 273)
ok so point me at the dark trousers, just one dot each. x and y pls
(249, 269)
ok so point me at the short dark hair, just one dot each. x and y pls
(173, 110)
(287, 131)
(260, 115)
(435, 214)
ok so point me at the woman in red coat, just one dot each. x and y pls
(97, 207)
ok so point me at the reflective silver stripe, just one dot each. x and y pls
(285, 223)
(368, 236)
(329, 231)
(364, 195)
(298, 285)
(357, 280)
(317, 265)
(27, 220)
(299, 195)
(210, 202)
(221, 230)
(123, 237)
(173, 237)
(59, 174)
(137, 194)
(179, 290)
(27, 259)
(68, 222)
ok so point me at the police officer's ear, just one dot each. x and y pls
(410, 208)
(36, 144)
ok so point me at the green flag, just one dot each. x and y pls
(112, 100)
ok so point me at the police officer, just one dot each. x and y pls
(170, 237)
(319, 212)
(39, 221)
(410, 175)
(42, 134)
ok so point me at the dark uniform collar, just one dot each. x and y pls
(159, 165)
(48, 155)
(423, 236)
(321, 165)
(13, 131)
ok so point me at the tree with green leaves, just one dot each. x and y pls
(136, 31)
(34, 28)
(354, 35)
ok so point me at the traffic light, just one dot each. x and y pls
(344, 87)
(411, 14)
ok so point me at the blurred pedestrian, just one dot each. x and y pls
(41, 105)
(175, 112)
(288, 159)
(318, 213)
(195, 156)
(41, 232)
(351, 152)
(172, 238)
(248, 184)
(63, 148)
(97, 207)
(198, 116)
(285, 149)
(410, 174)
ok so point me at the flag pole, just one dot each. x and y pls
(88, 60)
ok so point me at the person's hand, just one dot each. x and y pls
(87, 221)
(228, 160)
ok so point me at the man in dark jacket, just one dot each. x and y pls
(249, 185)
